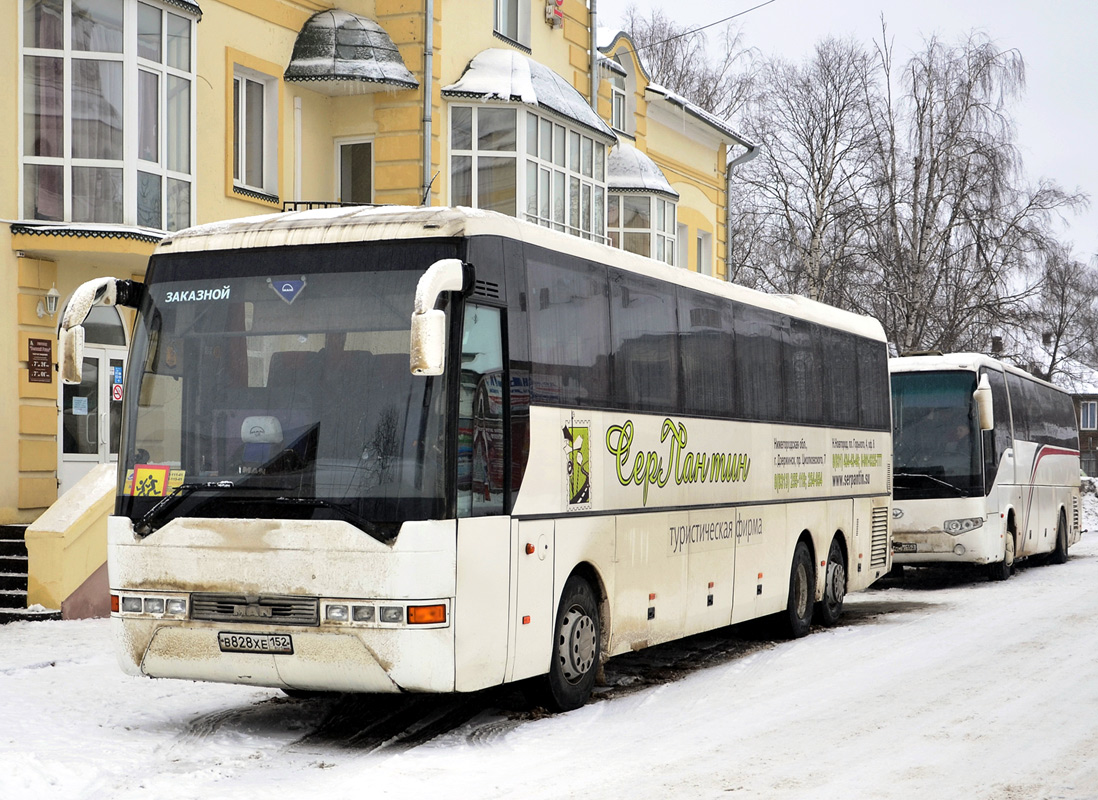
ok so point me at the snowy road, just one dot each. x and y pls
(944, 686)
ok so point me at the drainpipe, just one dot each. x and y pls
(595, 56)
(743, 158)
(428, 91)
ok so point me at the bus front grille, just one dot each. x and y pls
(878, 546)
(264, 608)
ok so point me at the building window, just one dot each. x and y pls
(643, 224)
(561, 174)
(1088, 415)
(512, 21)
(355, 171)
(117, 75)
(255, 131)
(617, 102)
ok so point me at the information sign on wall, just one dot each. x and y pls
(40, 360)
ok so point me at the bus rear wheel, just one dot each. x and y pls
(797, 617)
(830, 610)
(576, 647)
(1060, 553)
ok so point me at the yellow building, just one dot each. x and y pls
(129, 118)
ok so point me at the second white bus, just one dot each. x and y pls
(986, 463)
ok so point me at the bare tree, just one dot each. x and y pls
(954, 231)
(1058, 335)
(812, 123)
(679, 59)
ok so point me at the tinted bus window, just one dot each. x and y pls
(569, 334)
(644, 332)
(758, 367)
(707, 354)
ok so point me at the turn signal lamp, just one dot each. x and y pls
(426, 615)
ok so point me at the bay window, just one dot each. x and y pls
(107, 112)
(557, 175)
(643, 224)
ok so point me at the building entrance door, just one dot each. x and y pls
(90, 422)
(91, 416)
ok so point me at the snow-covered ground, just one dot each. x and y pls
(944, 686)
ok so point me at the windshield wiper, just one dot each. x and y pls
(938, 481)
(147, 523)
(383, 533)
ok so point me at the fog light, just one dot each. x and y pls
(336, 613)
(363, 613)
(392, 614)
(958, 550)
(131, 605)
(154, 605)
(176, 606)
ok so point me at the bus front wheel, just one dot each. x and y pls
(576, 647)
(1000, 570)
(797, 618)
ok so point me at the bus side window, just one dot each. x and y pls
(480, 415)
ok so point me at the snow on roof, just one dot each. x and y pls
(698, 112)
(630, 170)
(497, 74)
(346, 54)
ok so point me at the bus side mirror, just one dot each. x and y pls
(427, 352)
(70, 353)
(984, 408)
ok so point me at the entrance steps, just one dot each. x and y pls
(13, 578)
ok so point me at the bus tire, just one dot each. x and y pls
(797, 618)
(1000, 570)
(1059, 553)
(830, 610)
(576, 647)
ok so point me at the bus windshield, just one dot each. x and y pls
(936, 441)
(281, 389)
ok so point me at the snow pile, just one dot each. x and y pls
(943, 685)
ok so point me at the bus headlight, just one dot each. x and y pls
(956, 526)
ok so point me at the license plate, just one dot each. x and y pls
(905, 547)
(255, 643)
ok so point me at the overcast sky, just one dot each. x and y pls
(1055, 118)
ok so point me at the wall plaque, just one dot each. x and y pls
(40, 360)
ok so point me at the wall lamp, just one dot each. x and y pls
(50, 307)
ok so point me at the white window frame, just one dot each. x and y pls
(268, 184)
(704, 245)
(1088, 415)
(132, 65)
(617, 102)
(662, 241)
(519, 11)
(546, 175)
(340, 143)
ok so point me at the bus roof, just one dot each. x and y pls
(959, 361)
(387, 223)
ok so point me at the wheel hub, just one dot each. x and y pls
(836, 582)
(576, 648)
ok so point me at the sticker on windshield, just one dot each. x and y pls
(287, 289)
(150, 480)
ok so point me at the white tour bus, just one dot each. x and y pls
(436, 450)
(986, 463)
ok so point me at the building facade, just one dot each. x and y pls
(131, 118)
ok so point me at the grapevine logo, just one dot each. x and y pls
(577, 463)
